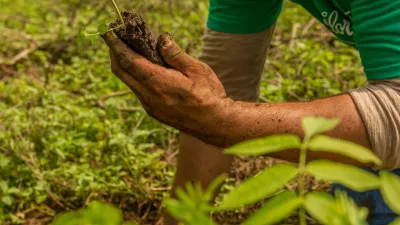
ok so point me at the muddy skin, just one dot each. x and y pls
(138, 35)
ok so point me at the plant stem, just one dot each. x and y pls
(98, 33)
(117, 9)
(302, 173)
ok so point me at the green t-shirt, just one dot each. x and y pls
(372, 26)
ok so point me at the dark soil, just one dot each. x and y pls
(138, 35)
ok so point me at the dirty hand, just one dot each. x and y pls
(188, 96)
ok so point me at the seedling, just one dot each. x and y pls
(102, 28)
(134, 31)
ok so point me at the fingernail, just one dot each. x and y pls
(166, 40)
(169, 48)
(125, 62)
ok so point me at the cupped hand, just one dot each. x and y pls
(187, 96)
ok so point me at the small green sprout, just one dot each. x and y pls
(102, 28)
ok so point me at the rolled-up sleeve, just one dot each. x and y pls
(376, 25)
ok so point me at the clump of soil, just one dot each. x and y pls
(138, 35)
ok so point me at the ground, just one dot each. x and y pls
(70, 132)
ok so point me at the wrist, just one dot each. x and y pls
(222, 126)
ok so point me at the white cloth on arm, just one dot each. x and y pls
(379, 106)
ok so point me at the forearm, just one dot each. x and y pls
(244, 121)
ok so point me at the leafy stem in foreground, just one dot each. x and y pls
(302, 174)
(269, 183)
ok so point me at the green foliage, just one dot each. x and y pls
(317, 125)
(102, 28)
(338, 210)
(58, 144)
(343, 147)
(350, 176)
(274, 143)
(259, 187)
(322, 206)
(96, 213)
(351, 214)
(390, 189)
(85, 37)
(278, 208)
(193, 206)
(395, 222)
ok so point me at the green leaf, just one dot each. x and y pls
(317, 125)
(174, 207)
(343, 147)
(70, 218)
(3, 186)
(390, 188)
(276, 209)
(259, 187)
(41, 198)
(396, 221)
(13, 190)
(103, 214)
(82, 36)
(261, 146)
(350, 176)
(187, 213)
(213, 186)
(4, 161)
(322, 206)
(102, 28)
(8, 200)
(92, 40)
(184, 197)
(352, 214)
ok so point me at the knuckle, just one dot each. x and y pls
(176, 55)
(152, 74)
(204, 68)
(156, 87)
(126, 62)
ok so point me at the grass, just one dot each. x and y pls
(71, 133)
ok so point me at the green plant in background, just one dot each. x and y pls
(59, 147)
(338, 210)
(96, 213)
(195, 199)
